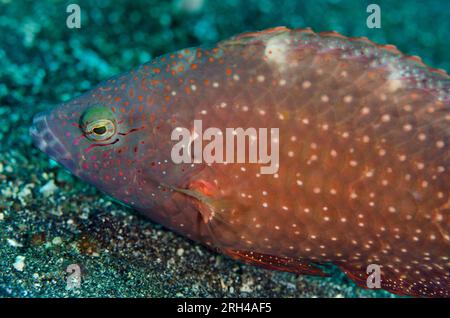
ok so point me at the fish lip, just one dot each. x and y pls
(47, 141)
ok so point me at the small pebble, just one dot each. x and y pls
(14, 243)
(25, 192)
(180, 252)
(19, 263)
(247, 287)
(48, 189)
(57, 240)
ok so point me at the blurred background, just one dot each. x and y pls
(49, 220)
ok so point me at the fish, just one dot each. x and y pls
(360, 162)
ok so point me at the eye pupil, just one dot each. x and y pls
(99, 130)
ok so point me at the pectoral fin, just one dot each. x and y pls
(202, 192)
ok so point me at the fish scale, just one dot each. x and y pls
(364, 153)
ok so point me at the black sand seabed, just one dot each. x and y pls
(49, 220)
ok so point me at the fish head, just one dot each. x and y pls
(64, 131)
(108, 139)
(92, 138)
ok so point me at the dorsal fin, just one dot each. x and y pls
(308, 34)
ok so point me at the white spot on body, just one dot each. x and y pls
(348, 99)
(276, 50)
(306, 84)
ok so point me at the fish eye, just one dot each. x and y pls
(100, 130)
(98, 123)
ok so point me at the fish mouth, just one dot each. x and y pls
(45, 139)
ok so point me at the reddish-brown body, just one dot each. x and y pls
(364, 154)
